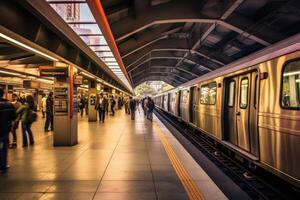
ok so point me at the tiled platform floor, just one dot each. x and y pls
(120, 159)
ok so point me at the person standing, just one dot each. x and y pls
(81, 105)
(150, 106)
(119, 103)
(49, 112)
(15, 102)
(25, 113)
(7, 116)
(101, 107)
(86, 103)
(44, 100)
(145, 106)
(132, 105)
(127, 109)
(112, 105)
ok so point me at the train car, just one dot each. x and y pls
(251, 106)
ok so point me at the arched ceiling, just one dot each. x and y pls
(178, 40)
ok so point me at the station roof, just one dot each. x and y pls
(177, 40)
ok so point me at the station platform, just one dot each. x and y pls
(120, 159)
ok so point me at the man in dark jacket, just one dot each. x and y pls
(150, 105)
(132, 105)
(7, 116)
(49, 112)
(101, 107)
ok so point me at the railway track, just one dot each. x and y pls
(258, 183)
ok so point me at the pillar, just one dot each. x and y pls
(65, 110)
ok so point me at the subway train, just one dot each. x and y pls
(251, 106)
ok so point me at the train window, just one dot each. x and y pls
(290, 94)
(231, 93)
(184, 96)
(244, 93)
(208, 93)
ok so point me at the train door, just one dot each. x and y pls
(193, 105)
(240, 111)
(178, 104)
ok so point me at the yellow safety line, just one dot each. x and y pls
(188, 183)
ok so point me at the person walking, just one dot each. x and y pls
(112, 105)
(15, 102)
(7, 116)
(44, 103)
(49, 112)
(27, 117)
(145, 106)
(101, 107)
(132, 105)
(150, 106)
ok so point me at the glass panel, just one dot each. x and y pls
(244, 93)
(204, 99)
(212, 92)
(291, 85)
(231, 93)
(208, 93)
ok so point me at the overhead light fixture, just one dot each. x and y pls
(11, 73)
(45, 80)
(27, 47)
(88, 75)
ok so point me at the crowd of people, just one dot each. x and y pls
(21, 112)
(11, 115)
(147, 103)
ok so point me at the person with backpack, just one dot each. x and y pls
(27, 116)
(7, 116)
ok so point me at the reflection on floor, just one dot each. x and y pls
(120, 159)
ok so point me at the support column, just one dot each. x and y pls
(92, 101)
(65, 110)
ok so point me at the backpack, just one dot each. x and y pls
(31, 116)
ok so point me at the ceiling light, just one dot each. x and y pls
(27, 47)
(45, 80)
(10, 73)
(88, 75)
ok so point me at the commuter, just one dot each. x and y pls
(81, 105)
(127, 109)
(150, 106)
(27, 117)
(101, 107)
(86, 103)
(15, 102)
(44, 100)
(107, 105)
(112, 106)
(7, 116)
(49, 112)
(132, 105)
(119, 103)
(145, 106)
